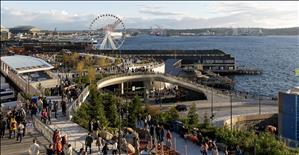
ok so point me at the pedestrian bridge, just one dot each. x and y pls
(182, 82)
(218, 96)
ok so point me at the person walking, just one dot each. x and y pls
(215, 150)
(13, 128)
(168, 139)
(204, 148)
(44, 116)
(161, 134)
(50, 150)
(69, 150)
(99, 142)
(59, 148)
(88, 142)
(114, 148)
(40, 104)
(34, 148)
(49, 111)
(20, 131)
(63, 107)
(105, 149)
(2, 127)
(55, 108)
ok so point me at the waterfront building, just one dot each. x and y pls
(28, 73)
(23, 32)
(288, 117)
(5, 34)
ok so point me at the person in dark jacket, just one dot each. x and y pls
(63, 107)
(88, 142)
(50, 150)
(105, 149)
(2, 127)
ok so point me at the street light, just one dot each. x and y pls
(119, 128)
(212, 103)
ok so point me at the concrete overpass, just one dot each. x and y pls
(150, 77)
(218, 96)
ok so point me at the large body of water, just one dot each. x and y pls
(277, 56)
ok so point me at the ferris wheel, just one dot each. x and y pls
(107, 32)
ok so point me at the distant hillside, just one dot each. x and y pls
(231, 31)
(282, 31)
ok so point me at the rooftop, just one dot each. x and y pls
(294, 90)
(25, 64)
(24, 28)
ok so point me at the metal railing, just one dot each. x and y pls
(77, 103)
(45, 130)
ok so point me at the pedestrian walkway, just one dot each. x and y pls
(75, 133)
(186, 147)
(13, 147)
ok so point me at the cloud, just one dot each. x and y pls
(158, 11)
(240, 14)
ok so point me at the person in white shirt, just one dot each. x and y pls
(68, 150)
(114, 148)
(34, 148)
(20, 131)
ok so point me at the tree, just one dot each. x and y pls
(101, 62)
(80, 68)
(117, 61)
(66, 60)
(134, 111)
(112, 112)
(172, 114)
(100, 113)
(192, 117)
(74, 58)
(88, 60)
(91, 73)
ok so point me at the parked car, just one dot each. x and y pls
(181, 107)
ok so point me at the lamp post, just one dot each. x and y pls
(212, 103)
(119, 128)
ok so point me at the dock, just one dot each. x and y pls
(239, 71)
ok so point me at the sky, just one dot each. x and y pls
(76, 15)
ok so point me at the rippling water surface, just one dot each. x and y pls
(277, 56)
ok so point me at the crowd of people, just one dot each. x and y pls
(14, 121)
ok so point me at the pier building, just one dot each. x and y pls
(28, 73)
(288, 117)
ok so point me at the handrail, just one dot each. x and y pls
(43, 128)
(48, 132)
(77, 103)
